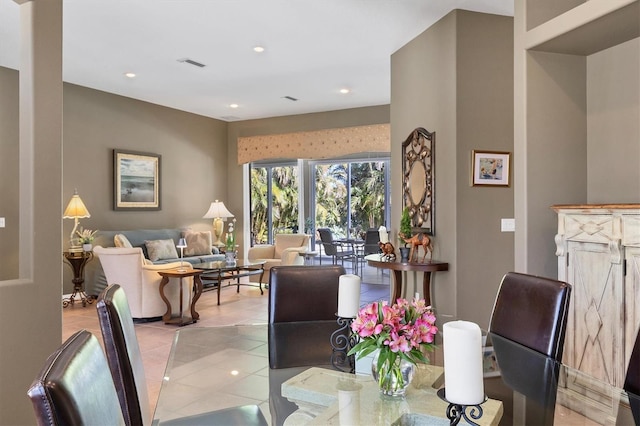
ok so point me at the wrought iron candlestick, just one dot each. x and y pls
(457, 412)
(342, 340)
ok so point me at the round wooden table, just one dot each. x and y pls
(398, 267)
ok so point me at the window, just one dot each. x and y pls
(274, 201)
(350, 196)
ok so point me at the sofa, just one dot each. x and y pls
(159, 252)
(284, 251)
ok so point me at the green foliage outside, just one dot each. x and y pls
(284, 205)
(367, 199)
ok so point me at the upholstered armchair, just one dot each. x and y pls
(285, 251)
(140, 281)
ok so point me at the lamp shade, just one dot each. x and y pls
(182, 243)
(76, 208)
(217, 209)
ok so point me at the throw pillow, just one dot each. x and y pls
(198, 243)
(161, 249)
(120, 240)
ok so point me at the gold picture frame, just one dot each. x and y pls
(136, 180)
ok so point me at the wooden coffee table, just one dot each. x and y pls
(219, 271)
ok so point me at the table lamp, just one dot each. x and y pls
(182, 244)
(218, 212)
(75, 210)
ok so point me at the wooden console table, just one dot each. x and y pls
(168, 318)
(399, 267)
(77, 261)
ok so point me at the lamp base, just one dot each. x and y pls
(75, 248)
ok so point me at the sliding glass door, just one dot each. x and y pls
(274, 201)
(350, 197)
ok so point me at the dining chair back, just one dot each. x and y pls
(632, 380)
(304, 293)
(74, 387)
(371, 241)
(127, 369)
(123, 354)
(336, 249)
(532, 311)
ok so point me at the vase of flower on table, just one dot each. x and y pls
(400, 333)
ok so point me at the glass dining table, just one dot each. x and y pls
(213, 368)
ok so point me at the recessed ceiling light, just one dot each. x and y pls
(130, 74)
(233, 105)
(344, 91)
(258, 49)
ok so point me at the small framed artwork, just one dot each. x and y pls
(489, 363)
(490, 168)
(136, 180)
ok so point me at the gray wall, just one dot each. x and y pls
(199, 159)
(9, 167)
(456, 79)
(613, 128)
(193, 165)
(30, 307)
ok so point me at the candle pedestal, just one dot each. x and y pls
(457, 412)
(342, 340)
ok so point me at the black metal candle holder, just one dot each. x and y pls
(342, 340)
(457, 412)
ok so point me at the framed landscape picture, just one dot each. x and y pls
(136, 180)
(490, 168)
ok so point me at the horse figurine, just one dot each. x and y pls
(388, 251)
(417, 241)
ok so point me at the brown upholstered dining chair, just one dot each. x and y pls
(125, 363)
(532, 311)
(303, 301)
(64, 394)
(304, 293)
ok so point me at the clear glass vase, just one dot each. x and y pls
(393, 378)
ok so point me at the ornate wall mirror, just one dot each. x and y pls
(418, 179)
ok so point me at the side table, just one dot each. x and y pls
(308, 256)
(183, 319)
(398, 267)
(77, 261)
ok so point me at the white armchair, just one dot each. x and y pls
(285, 251)
(141, 281)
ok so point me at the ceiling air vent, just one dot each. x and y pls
(291, 98)
(192, 62)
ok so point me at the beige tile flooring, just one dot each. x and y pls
(246, 307)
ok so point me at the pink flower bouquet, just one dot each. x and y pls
(401, 332)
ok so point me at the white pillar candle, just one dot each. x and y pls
(383, 234)
(349, 407)
(417, 296)
(463, 376)
(348, 296)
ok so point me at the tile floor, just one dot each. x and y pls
(246, 307)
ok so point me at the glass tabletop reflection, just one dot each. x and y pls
(212, 368)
